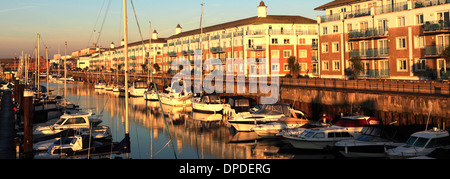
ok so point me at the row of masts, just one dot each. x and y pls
(24, 63)
(24, 66)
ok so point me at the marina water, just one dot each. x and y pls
(192, 138)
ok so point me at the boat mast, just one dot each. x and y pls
(65, 70)
(125, 38)
(38, 71)
(46, 61)
(149, 51)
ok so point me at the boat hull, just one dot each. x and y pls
(305, 144)
(176, 101)
(207, 108)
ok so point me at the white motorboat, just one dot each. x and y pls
(66, 79)
(99, 85)
(318, 138)
(176, 96)
(138, 88)
(237, 105)
(207, 103)
(268, 113)
(374, 141)
(109, 87)
(295, 120)
(64, 147)
(68, 121)
(118, 88)
(99, 133)
(151, 94)
(421, 143)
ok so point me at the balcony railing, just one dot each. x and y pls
(431, 26)
(426, 3)
(370, 53)
(172, 54)
(372, 32)
(257, 47)
(375, 74)
(217, 49)
(434, 50)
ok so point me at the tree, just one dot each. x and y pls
(357, 66)
(144, 67)
(446, 53)
(156, 67)
(294, 67)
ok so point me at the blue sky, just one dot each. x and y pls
(74, 21)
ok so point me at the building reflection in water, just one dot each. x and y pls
(195, 135)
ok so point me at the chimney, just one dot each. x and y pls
(122, 43)
(178, 29)
(262, 9)
(112, 45)
(155, 35)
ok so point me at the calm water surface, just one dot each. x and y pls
(191, 138)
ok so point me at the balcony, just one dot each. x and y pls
(432, 27)
(375, 73)
(257, 47)
(434, 51)
(172, 54)
(369, 33)
(218, 50)
(370, 53)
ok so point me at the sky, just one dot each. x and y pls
(74, 21)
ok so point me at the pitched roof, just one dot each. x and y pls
(280, 19)
(337, 3)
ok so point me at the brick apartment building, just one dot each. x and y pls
(395, 39)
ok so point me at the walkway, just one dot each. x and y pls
(7, 134)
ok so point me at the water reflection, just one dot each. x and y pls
(195, 135)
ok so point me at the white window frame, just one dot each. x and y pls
(400, 44)
(400, 65)
(327, 65)
(336, 65)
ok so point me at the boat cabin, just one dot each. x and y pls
(240, 103)
(140, 84)
(429, 139)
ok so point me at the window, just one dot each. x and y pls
(275, 67)
(349, 46)
(420, 65)
(401, 21)
(319, 135)
(325, 65)
(286, 53)
(344, 9)
(336, 65)
(302, 54)
(402, 65)
(286, 41)
(325, 31)
(419, 19)
(286, 67)
(335, 47)
(303, 66)
(335, 29)
(324, 47)
(301, 41)
(349, 27)
(419, 41)
(275, 53)
(401, 42)
(274, 41)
